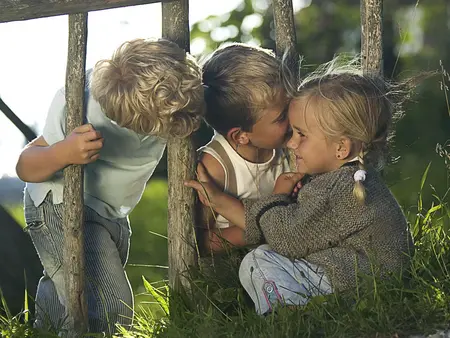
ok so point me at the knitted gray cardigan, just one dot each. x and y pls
(328, 227)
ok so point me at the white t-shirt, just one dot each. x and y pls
(244, 179)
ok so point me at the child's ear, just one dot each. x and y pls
(343, 148)
(238, 136)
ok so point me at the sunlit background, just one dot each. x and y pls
(34, 52)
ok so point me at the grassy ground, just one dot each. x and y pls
(148, 252)
(216, 306)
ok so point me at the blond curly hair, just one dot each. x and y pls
(152, 87)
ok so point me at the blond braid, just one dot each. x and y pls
(358, 190)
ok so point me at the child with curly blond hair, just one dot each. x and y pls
(149, 91)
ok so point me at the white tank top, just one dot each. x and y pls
(244, 179)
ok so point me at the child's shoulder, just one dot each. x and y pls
(340, 183)
(331, 180)
(214, 168)
(216, 158)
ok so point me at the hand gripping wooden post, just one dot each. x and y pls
(181, 165)
(73, 262)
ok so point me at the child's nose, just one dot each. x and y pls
(291, 144)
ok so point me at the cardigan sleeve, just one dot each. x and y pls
(253, 233)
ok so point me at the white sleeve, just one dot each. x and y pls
(55, 124)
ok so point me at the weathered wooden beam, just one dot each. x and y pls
(372, 36)
(77, 320)
(181, 165)
(16, 10)
(286, 41)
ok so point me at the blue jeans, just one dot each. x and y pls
(272, 279)
(106, 245)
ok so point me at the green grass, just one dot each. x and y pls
(216, 305)
(148, 253)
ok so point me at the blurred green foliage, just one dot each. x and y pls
(415, 38)
(148, 252)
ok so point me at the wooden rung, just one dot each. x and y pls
(26, 131)
(32, 9)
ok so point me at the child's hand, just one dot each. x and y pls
(83, 145)
(297, 188)
(206, 189)
(288, 183)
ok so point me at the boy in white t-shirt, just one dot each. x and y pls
(246, 106)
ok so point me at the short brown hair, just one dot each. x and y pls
(240, 82)
(152, 87)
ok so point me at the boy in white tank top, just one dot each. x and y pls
(247, 108)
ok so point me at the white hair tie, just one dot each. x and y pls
(360, 175)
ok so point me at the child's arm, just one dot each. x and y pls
(39, 160)
(213, 238)
(216, 238)
(212, 196)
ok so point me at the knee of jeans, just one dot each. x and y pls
(246, 266)
(249, 263)
(261, 256)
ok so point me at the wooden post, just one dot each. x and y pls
(181, 165)
(371, 36)
(76, 308)
(286, 40)
(285, 36)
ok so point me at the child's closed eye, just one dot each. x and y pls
(282, 117)
(298, 131)
(289, 133)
